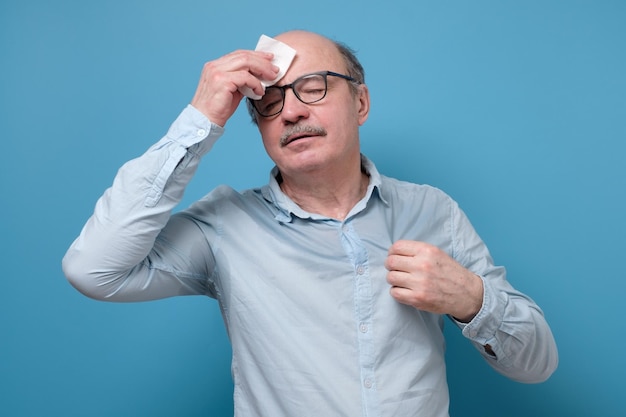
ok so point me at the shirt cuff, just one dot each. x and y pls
(191, 128)
(192, 133)
(483, 327)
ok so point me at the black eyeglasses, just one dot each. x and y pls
(309, 88)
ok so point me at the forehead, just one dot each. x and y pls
(313, 53)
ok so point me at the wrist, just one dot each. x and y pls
(475, 300)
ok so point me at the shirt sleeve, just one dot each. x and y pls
(123, 252)
(510, 330)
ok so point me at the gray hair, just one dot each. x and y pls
(353, 67)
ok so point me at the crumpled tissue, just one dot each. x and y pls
(283, 56)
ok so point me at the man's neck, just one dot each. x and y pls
(329, 194)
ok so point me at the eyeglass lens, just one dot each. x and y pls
(308, 89)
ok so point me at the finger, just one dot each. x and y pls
(416, 249)
(405, 247)
(403, 263)
(399, 279)
(403, 295)
(239, 79)
(257, 63)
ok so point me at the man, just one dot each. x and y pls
(333, 280)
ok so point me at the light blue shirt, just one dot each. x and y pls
(314, 330)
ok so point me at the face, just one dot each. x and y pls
(305, 138)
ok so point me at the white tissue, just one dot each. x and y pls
(283, 56)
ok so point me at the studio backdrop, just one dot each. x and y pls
(515, 109)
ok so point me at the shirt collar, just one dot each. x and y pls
(287, 208)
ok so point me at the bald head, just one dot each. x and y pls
(299, 39)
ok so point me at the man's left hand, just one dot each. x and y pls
(427, 278)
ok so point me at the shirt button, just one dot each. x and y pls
(201, 133)
(360, 270)
(363, 328)
(367, 383)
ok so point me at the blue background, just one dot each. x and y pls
(516, 109)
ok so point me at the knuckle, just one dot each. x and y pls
(427, 249)
(427, 266)
(209, 66)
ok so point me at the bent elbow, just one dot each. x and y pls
(81, 277)
(539, 366)
(544, 370)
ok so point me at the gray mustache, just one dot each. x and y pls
(299, 129)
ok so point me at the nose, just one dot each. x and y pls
(293, 109)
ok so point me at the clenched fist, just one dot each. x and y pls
(427, 278)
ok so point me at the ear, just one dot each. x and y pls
(363, 103)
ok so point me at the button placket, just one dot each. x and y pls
(363, 307)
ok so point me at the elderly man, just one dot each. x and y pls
(333, 279)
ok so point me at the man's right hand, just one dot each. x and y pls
(218, 96)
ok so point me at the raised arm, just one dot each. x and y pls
(119, 255)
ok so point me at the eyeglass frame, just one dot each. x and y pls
(283, 89)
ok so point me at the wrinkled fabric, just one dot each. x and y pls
(304, 297)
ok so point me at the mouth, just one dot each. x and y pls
(298, 132)
(294, 138)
